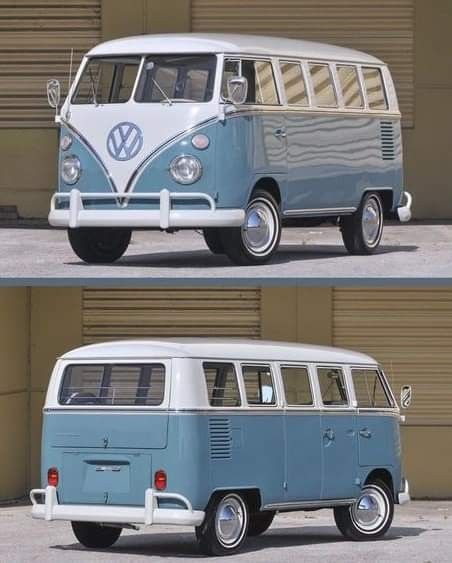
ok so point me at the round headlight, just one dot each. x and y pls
(66, 142)
(71, 169)
(186, 169)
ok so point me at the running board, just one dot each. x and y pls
(309, 504)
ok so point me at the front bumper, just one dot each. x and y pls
(403, 496)
(147, 515)
(163, 218)
(404, 211)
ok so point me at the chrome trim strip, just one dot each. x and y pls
(319, 212)
(309, 504)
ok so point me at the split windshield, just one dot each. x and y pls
(163, 79)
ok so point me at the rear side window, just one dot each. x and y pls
(351, 91)
(332, 387)
(322, 85)
(222, 387)
(261, 82)
(297, 388)
(259, 385)
(113, 384)
(373, 82)
(369, 389)
(294, 85)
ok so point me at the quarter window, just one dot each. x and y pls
(294, 84)
(374, 88)
(259, 385)
(351, 91)
(332, 387)
(296, 385)
(222, 387)
(322, 85)
(369, 389)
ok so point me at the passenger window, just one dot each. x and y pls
(118, 384)
(294, 84)
(261, 82)
(296, 386)
(322, 85)
(374, 88)
(351, 91)
(259, 385)
(332, 387)
(222, 387)
(369, 389)
(231, 68)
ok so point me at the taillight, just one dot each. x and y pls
(52, 477)
(160, 480)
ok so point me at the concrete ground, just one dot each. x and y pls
(421, 532)
(414, 250)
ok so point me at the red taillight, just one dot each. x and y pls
(160, 480)
(52, 477)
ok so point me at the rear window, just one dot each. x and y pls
(113, 384)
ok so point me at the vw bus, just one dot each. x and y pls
(219, 435)
(233, 135)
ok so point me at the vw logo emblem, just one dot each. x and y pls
(124, 141)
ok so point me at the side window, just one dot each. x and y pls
(351, 91)
(222, 387)
(296, 385)
(231, 68)
(261, 82)
(369, 389)
(259, 385)
(322, 85)
(294, 84)
(332, 387)
(373, 82)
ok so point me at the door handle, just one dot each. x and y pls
(280, 133)
(329, 434)
(365, 433)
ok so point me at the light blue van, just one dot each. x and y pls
(219, 435)
(234, 135)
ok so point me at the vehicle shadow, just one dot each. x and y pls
(184, 545)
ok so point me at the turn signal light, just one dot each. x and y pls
(160, 480)
(52, 477)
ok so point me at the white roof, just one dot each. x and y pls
(234, 349)
(229, 43)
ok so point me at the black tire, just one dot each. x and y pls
(213, 240)
(95, 535)
(209, 538)
(99, 245)
(234, 239)
(260, 522)
(353, 226)
(350, 526)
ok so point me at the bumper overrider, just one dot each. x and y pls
(49, 509)
(403, 496)
(76, 215)
(404, 211)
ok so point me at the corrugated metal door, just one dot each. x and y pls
(139, 313)
(36, 38)
(410, 332)
(384, 28)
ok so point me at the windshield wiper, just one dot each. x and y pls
(149, 66)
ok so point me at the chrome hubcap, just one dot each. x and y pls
(230, 521)
(372, 221)
(370, 511)
(259, 229)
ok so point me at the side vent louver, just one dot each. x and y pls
(387, 140)
(220, 438)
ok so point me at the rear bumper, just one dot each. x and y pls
(404, 211)
(403, 496)
(147, 515)
(163, 218)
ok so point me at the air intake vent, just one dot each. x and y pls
(387, 140)
(220, 438)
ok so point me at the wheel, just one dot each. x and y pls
(258, 238)
(225, 525)
(213, 240)
(370, 517)
(95, 535)
(99, 245)
(260, 522)
(362, 231)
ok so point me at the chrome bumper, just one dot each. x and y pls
(150, 514)
(403, 496)
(404, 211)
(163, 218)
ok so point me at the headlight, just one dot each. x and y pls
(66, 142)
(71, 169)
(186, 169)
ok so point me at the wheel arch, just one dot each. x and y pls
(387, 199)
(269, 184)
(381, 474)
(252, 496)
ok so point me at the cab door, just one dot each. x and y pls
(338, 435)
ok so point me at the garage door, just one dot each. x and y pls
(36, 38)
(384, 28)
(138, 313)
(410, 333)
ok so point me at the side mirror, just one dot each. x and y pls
(405, 396)
(237, 90)
(53, 93)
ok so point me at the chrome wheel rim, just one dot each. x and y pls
(372, 221)
(371, 511)
(260, 229)
(230, 521)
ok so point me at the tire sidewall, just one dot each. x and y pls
(367, 197)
